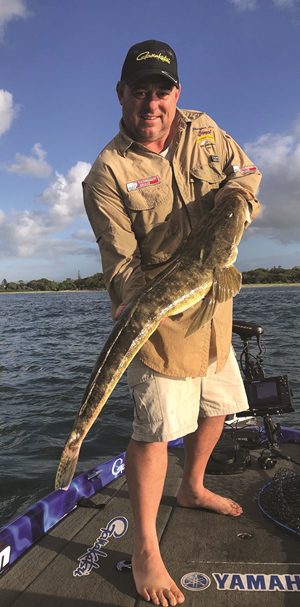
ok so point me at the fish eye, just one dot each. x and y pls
(229, 214)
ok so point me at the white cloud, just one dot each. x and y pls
(296, 127)
(64, 194)
(285, 3)
(36, 234)
(9, 10)
(244, 5)
(8, 110)
(271, 150)
(86, 235)
(25, 232)
(278, 157)
(35, 165)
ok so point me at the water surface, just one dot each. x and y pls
(49, 344)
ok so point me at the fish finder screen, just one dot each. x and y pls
(262, 393)
(266, 391)
(269, 394)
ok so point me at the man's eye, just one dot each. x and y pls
(163, 93)
(140, 94)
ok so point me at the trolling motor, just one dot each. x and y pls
(266, 395)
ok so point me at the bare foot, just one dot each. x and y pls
(152, 580)
(209, 500)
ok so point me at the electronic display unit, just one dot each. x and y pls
(269, 395)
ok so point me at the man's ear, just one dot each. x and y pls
(120, 91)
(178, 91)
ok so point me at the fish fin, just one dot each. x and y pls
(206, 311)
(66, 468)
(201, 255)
(229, 283)
(226, 284)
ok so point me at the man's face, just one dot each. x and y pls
(148, 108)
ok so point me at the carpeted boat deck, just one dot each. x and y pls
(221, 560)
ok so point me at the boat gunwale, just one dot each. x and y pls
(22, 532)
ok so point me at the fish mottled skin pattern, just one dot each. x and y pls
(201, 269)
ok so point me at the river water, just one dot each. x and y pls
(49, 344)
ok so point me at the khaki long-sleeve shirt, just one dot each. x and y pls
(142, 207)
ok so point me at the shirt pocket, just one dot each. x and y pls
(147, 198)
(158, 227)
(206, 180)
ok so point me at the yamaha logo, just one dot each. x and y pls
(262, 582)
(195, 581)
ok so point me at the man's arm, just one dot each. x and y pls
(119, 249)
(242, 176)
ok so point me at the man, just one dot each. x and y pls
(144, 194)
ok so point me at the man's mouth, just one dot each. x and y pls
(149, 118)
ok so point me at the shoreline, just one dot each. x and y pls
(271, 284)
(246, 286)
(47, 292)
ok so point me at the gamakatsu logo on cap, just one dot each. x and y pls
(195, 581)
(148, 55)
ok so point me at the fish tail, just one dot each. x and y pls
(66, 467)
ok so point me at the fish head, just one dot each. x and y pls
(226, 230)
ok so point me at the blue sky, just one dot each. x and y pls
(239, 61)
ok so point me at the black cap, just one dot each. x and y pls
(148, 58)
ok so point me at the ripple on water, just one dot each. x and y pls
(49, 345)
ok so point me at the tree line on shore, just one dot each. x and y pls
(96, 282)
(90, 283)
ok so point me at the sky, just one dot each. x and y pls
(239, 61)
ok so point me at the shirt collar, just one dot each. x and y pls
(124, 141)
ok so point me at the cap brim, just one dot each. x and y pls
(142, 74)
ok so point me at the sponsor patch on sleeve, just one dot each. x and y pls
(249, 169)
(142, 183)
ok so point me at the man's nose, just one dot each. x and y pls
(152, 99)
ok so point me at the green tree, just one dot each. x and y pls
(12, 286)
(67, 285)
(42, 284)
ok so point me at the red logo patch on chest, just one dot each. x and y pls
(142, 183)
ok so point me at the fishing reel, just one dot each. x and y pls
(266, 460)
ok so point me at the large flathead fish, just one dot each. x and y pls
(202, 270)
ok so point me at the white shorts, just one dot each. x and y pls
(166, 408)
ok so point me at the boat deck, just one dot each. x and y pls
(192, 542)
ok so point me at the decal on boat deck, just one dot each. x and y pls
(254, 581)
(195, 580)
(4, 557)
(117, 527)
